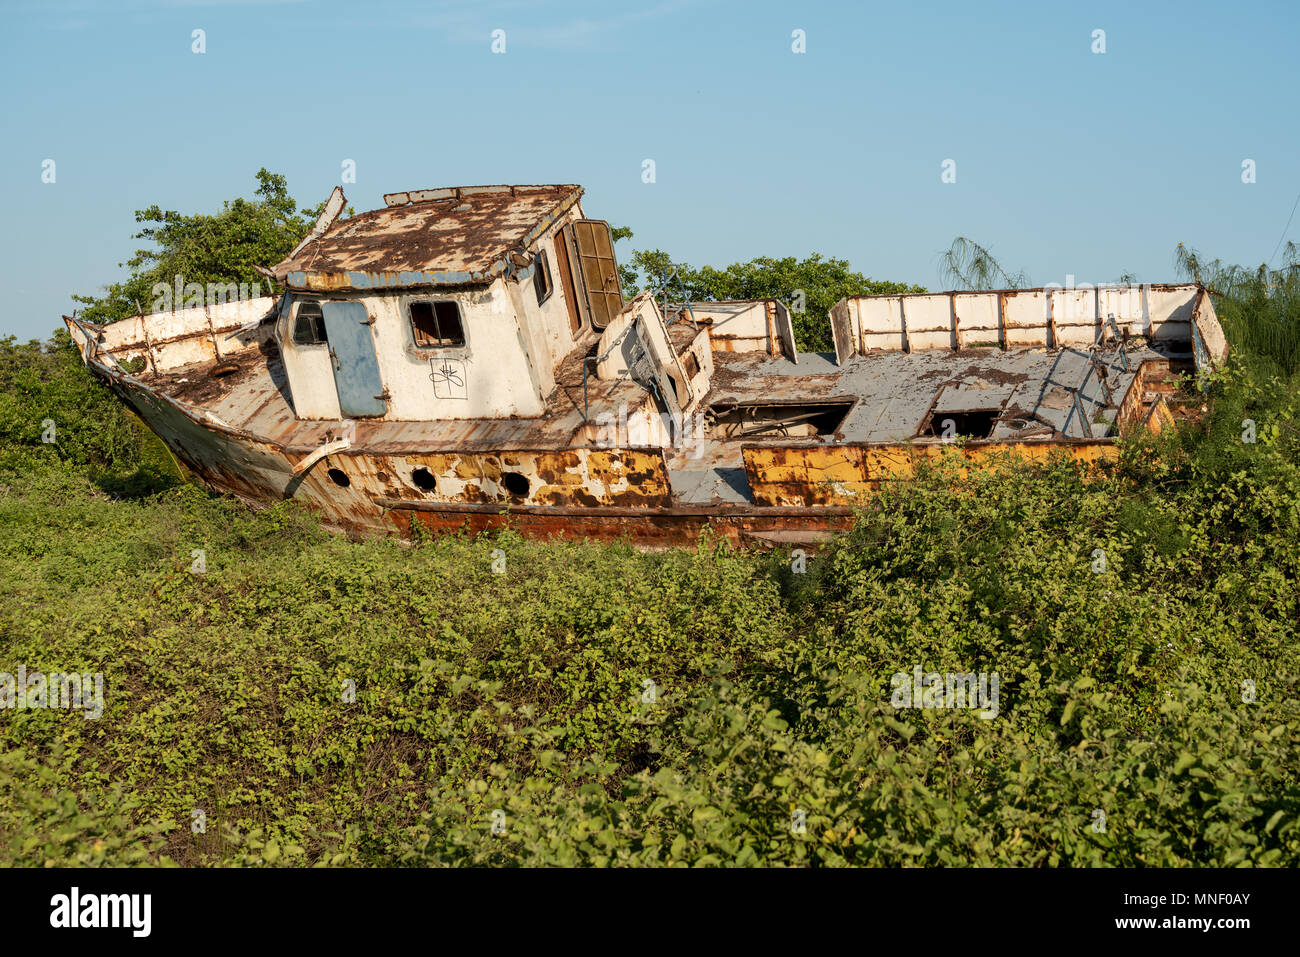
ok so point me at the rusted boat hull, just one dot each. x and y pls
(797, 512)
(798, 492)
(743, 527)
(370, 499)
(463, 360)
(804, 498)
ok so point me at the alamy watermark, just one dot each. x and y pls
(180, 294)
(1124, 300)
(688, 435)
(56, 690)
(951, 689)
(130, 911)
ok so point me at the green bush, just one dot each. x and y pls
(526, 692)
(329, 702)
(55, 415)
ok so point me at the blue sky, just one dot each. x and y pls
(1067, 161)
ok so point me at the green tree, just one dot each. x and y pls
(223, 247)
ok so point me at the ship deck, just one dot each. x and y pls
(888, 398)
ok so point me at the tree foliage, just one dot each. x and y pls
(54, 414)
(968, 265)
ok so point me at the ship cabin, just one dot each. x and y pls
(455, 303)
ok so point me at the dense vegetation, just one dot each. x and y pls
(599, 705)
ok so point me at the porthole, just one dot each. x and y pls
(424, 480)
(517, 485)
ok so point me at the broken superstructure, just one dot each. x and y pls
(464, 357)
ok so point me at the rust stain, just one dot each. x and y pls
(664, 528)
(806, 477)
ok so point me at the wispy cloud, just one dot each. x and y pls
(80, 14)
(465, 24)
(227, 3)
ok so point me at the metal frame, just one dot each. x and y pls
(408, 301)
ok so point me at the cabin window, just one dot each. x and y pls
(542, 278)
(309, 325)
(437, 324)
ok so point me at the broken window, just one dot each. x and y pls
(437, 324)
(692, 365)
(796, 419)
(542, 278)
(973, 424)
(309, 325)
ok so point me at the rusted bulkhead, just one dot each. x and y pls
(848, 475)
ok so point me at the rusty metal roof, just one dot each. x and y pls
(451, 236)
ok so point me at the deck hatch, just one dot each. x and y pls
(960, 424)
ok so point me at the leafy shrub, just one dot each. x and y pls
(330, 702)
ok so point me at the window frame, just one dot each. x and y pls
(433, 305)
(542, 270)
(318, 324)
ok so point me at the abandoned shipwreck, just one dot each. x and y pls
(464, 358)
